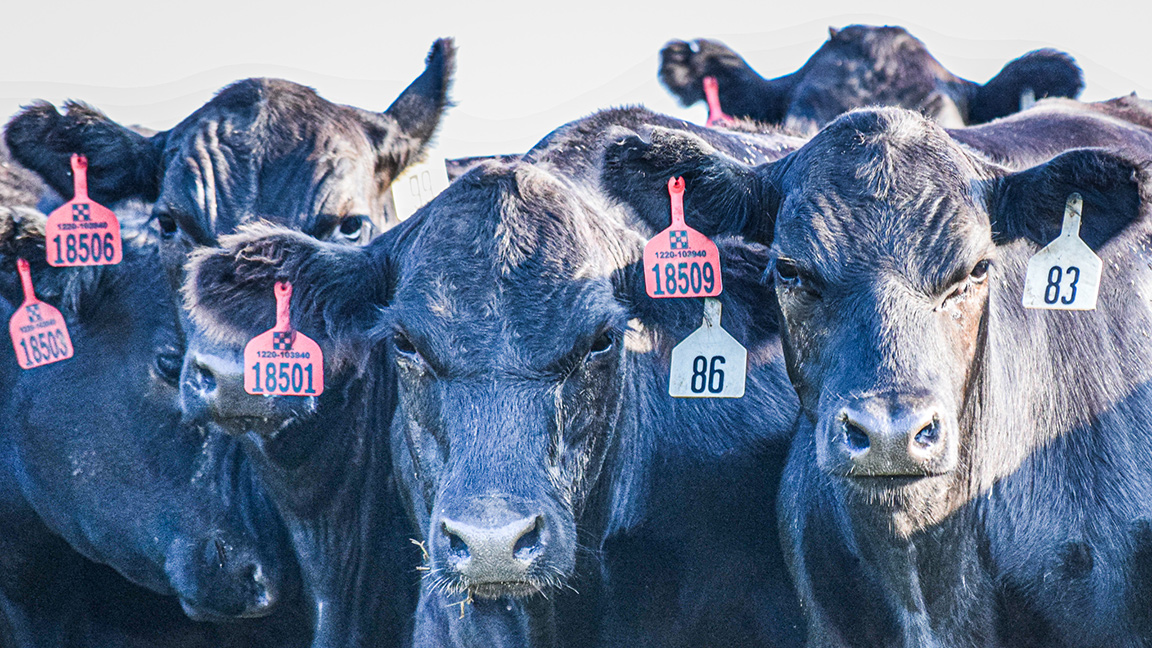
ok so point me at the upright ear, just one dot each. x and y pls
(121, 163)
(1034, 76)
(401, 132)
(1030, 203)
(721, 196)
(22, 237)
(743, 92)
(337, 290)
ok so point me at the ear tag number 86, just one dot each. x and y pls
(39, 334)
(1065, 275)
(710, 363)
(82, 232)
(283, 361)
(681, 262)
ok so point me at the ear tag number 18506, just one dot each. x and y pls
(1065, 275)
(283, 361)
(39, 334)
(681, 262)
(82, 232)
(710, 363)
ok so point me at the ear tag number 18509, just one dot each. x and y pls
(1065, 275)
(681, 262)
(710, 363)
(283, 361)
(82, 232)
(39, 334)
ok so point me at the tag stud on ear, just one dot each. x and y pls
(283, 361)
(39, 333)
(710, 363)
(1065, 275)
(82, 232)
(716, 114)
(679, 261)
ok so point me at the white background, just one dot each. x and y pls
(524, 67)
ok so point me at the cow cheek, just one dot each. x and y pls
(585, 415)
(805, 332)
(963, 330)
(426, 442)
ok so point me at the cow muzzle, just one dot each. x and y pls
(890, 435)
(216, 580)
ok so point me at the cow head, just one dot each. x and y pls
(100, 451)
(262, 148)
(888, 240)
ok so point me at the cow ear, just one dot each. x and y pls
(22, 237)
(1030, 204)
(401, 133)
(743, 92)
(1037, 74)
(722, 195)
(337, 290)
(121, 163)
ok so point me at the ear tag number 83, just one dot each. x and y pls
(39, 334)
(82, 232)
(710, 363)
(283, 361)
(681, 262)
(1065, 275)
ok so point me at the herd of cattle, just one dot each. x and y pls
(494, 459)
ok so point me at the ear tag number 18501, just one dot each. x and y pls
(710, 363)
(39, 334)
(1065, 275)
(283, 361)
(82, 232)
(681, 262)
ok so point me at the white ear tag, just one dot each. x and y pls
(1065, 275)
(710, 363)
(418, 184)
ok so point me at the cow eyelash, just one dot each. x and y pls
(977, 275)
(405, 348)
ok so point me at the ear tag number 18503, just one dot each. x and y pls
(1065, 275)
(681, 262)
(39, 334)
(82, 232)
(283, 361)
(710, 363)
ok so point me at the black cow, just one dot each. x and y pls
(533, 440)
(860, 66)
(966, 471)
(93, 452)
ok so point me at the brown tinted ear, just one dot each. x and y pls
(122, 164)
(1030, 204)
(722, 195)
(401, 133)
(337, 290)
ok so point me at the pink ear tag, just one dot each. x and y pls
(681, 262)
(39, 334)
(716, 115)
(283, 361)
(82, 232)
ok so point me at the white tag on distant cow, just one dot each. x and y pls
(418, 184)
(709, 363)
(1065, 275)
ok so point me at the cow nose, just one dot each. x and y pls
(894, 436)
(221, 581)
(497, 553)
(212, 389)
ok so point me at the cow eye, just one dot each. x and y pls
(601, 345)
(405, 348)
(353, 227)
(787, 271)
(979, 271)
(168, 366)
(167, 224)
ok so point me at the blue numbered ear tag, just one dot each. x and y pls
(1065, 275)
(710, 363)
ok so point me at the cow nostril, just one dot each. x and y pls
(929, 434)
(456, 544)
(528, 543)
(855, 436)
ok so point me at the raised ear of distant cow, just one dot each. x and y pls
(858, 66)
(261, 148)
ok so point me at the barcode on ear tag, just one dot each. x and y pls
(710, 363)
(681, 262)
(418, 184)
(39, 333)
(1065, 275)
(82, 232)
(283, 361)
